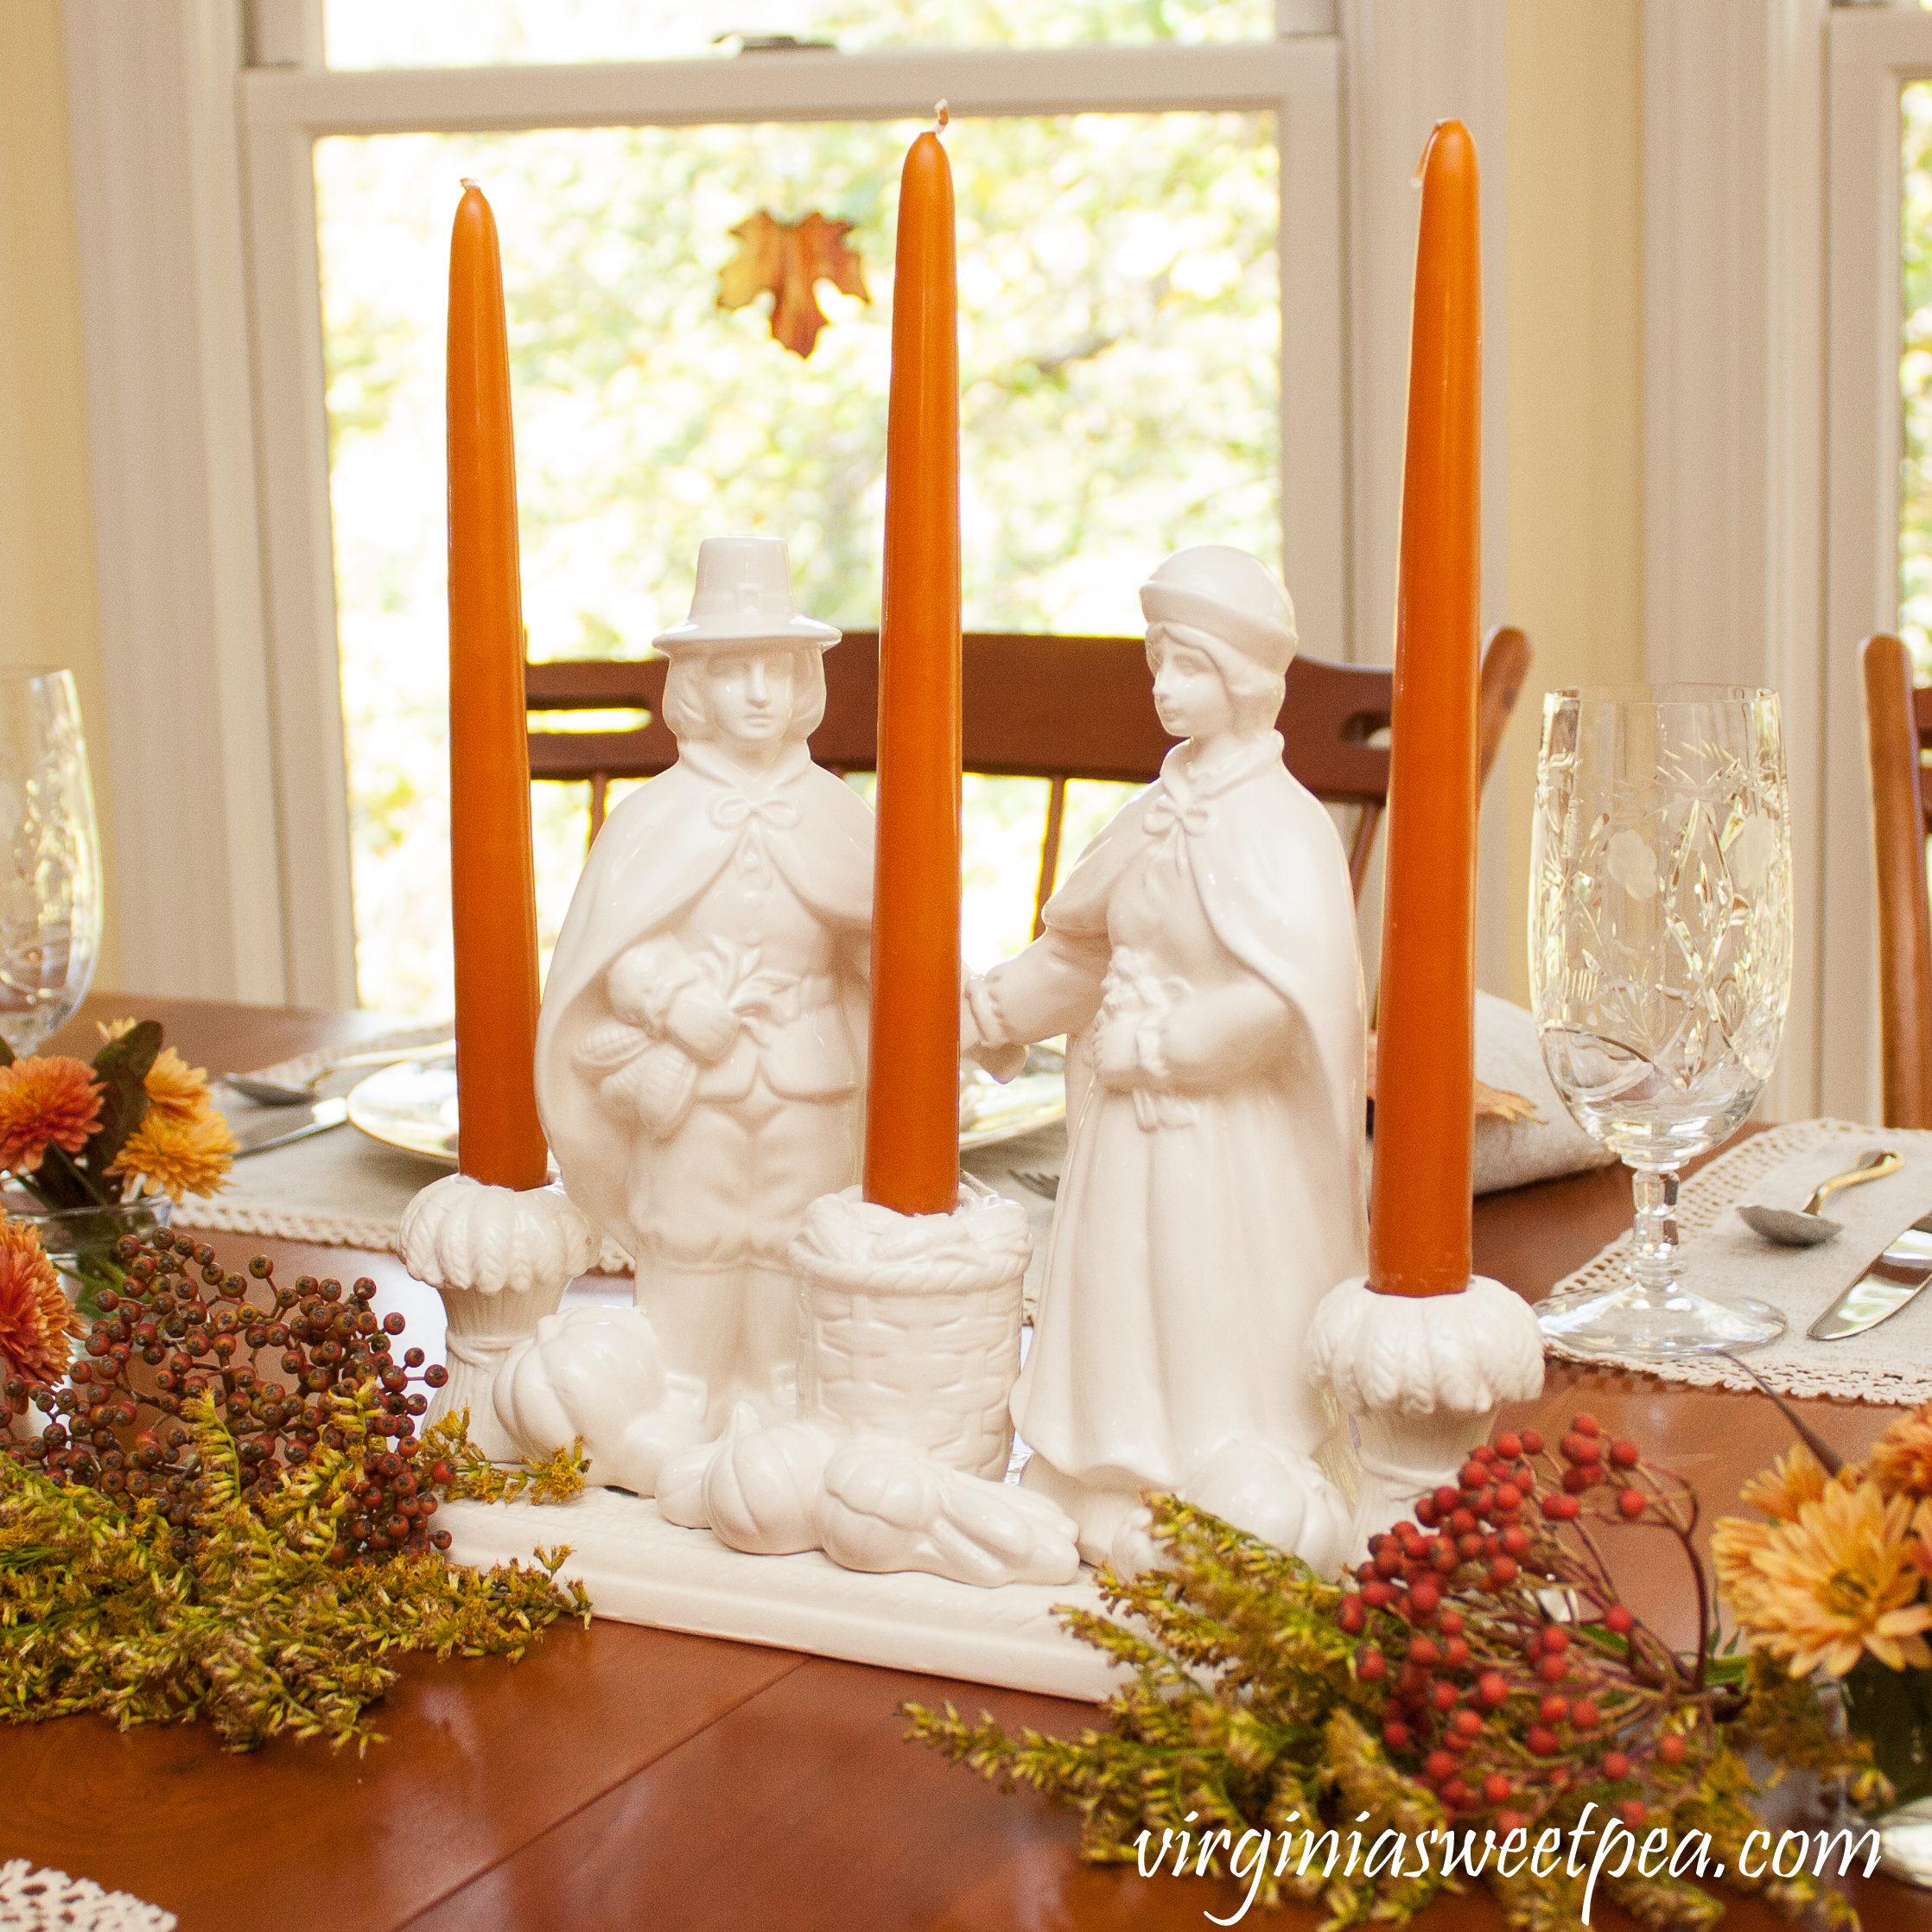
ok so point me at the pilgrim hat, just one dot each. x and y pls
(743, 596)
(1228, 594)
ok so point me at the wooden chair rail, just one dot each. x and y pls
(1053, 708)
(1897, 728)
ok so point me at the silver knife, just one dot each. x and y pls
(1883, 1288)
(292, 1123)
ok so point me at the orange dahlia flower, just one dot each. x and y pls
(45, 1103)
(36, 1319)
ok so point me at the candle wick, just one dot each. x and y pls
(467, 182)
(943, 114)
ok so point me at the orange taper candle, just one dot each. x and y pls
(491, 883)
(1418, 1227)
(912, 1098)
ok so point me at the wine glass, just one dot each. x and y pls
(50, 887)
(1660, 967)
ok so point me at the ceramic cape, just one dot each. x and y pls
(660, 851)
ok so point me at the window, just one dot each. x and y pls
(1878, 477)
(1915, 372)
(1128, 216)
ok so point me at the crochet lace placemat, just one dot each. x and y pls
(40, 1900)
(1891, 1363)
(338, 1189)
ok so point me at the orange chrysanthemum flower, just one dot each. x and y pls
(35, 1317)
(45, 1103)
(1795, 1478)
(1834, 1584)
(111, 1030)
(1902, 1460)
(176, 1088)
(175, 1155)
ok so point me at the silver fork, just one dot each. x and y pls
(1048, 1185)
(277, 1093)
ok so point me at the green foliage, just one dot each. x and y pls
(1784, 1718)
(1245, 1710)
(1891, 1711)
(553, 1478)
(121, 1068)
(256, 1630)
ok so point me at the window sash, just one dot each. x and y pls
(284, 110)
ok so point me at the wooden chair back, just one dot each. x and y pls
(1055, 708)
(1898, 729)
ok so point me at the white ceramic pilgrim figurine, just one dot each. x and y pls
(700, 1073)
(1202, 959)
(700, 1059)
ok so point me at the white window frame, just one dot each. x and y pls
(239, 886)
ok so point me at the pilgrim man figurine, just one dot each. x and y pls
(1201, 959)
(700, 1059)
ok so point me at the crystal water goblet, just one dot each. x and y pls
(50, 881)
(1660, 969)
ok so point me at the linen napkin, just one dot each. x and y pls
(1512, 1153)
(1534, 1146)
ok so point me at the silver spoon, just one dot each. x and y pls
(1806, 1227)
(276, 1093)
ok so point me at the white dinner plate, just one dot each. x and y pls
(412, 1105)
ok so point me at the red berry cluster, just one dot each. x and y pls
(1490, 1701)
(181, 1327)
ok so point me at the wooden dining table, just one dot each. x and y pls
(619, 1777)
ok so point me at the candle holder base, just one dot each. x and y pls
(500, 1258)
(1421, 1378)
(908, 1349)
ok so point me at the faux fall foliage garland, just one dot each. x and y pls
(1478, 1679)
(188, 1537)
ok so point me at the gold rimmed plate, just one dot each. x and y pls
(412, 1105)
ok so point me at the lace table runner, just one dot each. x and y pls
(338, 1189)
(40, 1900)
(1891, 1363)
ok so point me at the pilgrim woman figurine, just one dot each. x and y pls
(1202, 959)
(700, 1060)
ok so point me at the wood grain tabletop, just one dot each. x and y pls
(625, 1778)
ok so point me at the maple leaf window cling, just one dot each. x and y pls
(791, 258)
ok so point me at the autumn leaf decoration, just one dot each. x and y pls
(790, 258)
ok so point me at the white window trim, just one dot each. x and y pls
(236, 885)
